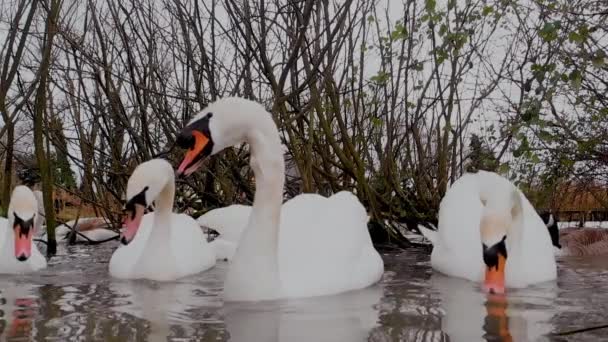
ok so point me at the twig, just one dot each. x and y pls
(576, 331)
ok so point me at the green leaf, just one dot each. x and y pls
(503, 169)
(377, 122)
(371, 19)
(442, 55)
(443, 29)
(545, 136)
(549, 31)
(430, 5)
(400, 32)
(380, 78)
(575, 37)
(487, 10)
(534, 158)
(576, 79)
(599, 59)
(532, 111)
(585, 146)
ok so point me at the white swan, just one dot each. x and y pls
(229, 222)
(85, 226)
(18, 253)
(160, 245)
(89, 229)
(483, 218)
(310, 246)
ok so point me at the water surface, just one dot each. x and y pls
(75, 300)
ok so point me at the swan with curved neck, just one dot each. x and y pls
(311, 245)
(488, 231)
(19, 254)
(160, 245)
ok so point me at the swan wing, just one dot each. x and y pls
(229, 221)
(325, 247)
(431, 235)
(189, 246)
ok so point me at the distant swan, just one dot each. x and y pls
(229, 222)
(575, 241)
(483, 218)
(310, 246)
(160, 245)
(19, 254)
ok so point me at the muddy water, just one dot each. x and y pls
(75, 300)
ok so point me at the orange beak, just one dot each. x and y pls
(495, 277)
(190, 162)
(132, 222)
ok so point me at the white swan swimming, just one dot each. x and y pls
(229, 222)
(310, 246)
(19, 254)
(483, 218)
(87, 228)
(160, 245)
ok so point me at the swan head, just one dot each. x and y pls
(144, 186)
(493, 236)
(22, 212)
(223, 123)
(500, 219)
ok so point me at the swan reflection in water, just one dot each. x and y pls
(182, 310)
(171, 310)
(348, 316)
(18, 310)
(472, 315)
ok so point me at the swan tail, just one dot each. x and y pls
(431, 235)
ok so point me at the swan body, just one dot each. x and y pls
(88, 229)
(482, 210)
(311, 245)
(18, 254)
(160, 245)
(229, 222)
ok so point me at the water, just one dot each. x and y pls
(75, 300)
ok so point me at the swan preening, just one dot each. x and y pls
(280, 253)
(19, 254)
(489, 231)
(160, 245)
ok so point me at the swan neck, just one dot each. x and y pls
(164, 200)
(162, 214)
(254, 272)
(269, 170)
